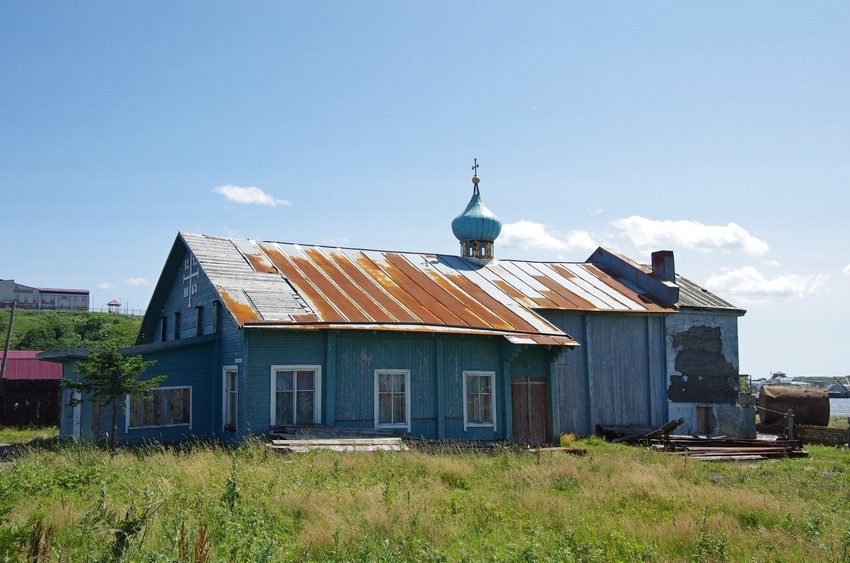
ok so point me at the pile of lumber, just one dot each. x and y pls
(299, 439)
(727, 449)
(809, 434)
(337, 444)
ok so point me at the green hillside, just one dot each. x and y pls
(55, 330)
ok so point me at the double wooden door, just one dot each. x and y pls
(530, 404)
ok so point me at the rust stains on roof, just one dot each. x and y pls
(419, 311)
(508, 319)
(393, 309)
(239, 306)
(328, 287)
(323, 307)
(260, 263)
(432, 295)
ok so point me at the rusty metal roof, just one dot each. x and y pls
(693, 296)
(292, 286)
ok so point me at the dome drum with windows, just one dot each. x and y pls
(477, 227)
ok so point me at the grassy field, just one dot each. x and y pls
(65, 502)
(838, 422)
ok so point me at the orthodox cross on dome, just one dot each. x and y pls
(475, 179)
(475, 167)
(190, 265)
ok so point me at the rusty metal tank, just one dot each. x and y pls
(810, 405)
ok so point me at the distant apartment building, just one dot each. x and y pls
(42, 297)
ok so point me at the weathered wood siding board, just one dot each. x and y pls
(470, 354)
(264, 349)
(231, 349)
(359, 355)
(573, 389)
(621, 371)
(176, 301)
(531, 362)
(657, 356)
(617, 377)
(66, 413)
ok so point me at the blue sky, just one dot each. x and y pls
(720, 131)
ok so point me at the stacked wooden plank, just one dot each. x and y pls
(338, 445)
(299, 439)
(727, 449)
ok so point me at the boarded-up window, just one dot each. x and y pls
(165, 406)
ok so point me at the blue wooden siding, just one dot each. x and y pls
(264, 349)
(357, 358)
(618, 375)
(470, 354)
(228, 351)
(193, 366)
(573, 384)
(348, 361)
(231, 352)
(621, 379)
(176, 301)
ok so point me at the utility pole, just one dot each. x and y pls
(8, 340)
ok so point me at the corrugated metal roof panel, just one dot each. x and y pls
(24, 365)
(694, 296)
(276, 282)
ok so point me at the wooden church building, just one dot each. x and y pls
(254, 335)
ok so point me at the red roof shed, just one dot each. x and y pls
(24, 365)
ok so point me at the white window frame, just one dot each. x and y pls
(225, 400)
(317, 391)
(466, 422)
(128, 414)
(406, 424)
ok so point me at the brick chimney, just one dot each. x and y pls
(663, 265)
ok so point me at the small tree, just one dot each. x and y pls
(108, 376)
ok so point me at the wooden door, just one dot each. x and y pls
(530, 403)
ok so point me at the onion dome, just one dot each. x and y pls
(477, 227)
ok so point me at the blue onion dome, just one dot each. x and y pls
(476, 222)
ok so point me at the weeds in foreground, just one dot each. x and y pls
(206, 503)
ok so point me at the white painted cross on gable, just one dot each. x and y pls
(190, 266)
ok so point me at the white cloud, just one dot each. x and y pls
(649, 233)
(529, 235)
(248, 196)
(104, 285)
(773, 263)
(749, 284)
(846, 270)
(136, 282)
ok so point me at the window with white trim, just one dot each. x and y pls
(296, 395)
(479, 406)
(230, 397)
(165, 406)
(392, 398)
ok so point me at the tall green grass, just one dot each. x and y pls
(616, 503)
